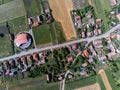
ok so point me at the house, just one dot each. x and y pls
(90, 60)
(43, 61)
(88, 16)
(47, 77)
(98, 42)
(113, 2)
(24, 61)
(83, 73)
(74, 46)
(29, 57)
(98, 21)
(70, 59)
(99, 31)
(83, 34)
(118, 14)
(60, 78)
(91, 21)
(12, 63)
(36, 57)
(35, 24)
(111, 54)
(84, 65)
(93, 50)
(112, 48)
(95, 31)
(86, 53)
(40, 19)
(103, 59)
(108, 39)
(77, 20)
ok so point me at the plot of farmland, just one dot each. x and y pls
(32, 7)
(11, 10)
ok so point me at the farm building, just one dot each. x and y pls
(23, 40)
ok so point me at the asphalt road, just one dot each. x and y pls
(31, 51)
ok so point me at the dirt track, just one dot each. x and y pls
(105, 80)
(90, 87)
(61, 12)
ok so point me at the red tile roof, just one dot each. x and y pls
(21, 39)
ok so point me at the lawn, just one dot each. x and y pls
(32, 7)
(42, 34)
(18, 25)
(4, 1)
(80, 83)
(5, 46)
(11, 10)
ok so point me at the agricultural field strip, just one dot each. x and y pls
(12, 10)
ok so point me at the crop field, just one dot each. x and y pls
(90, 87)
(18, 25)
(4, 1)
(61, 14)
(32, 7)
(5, 46)
(80, 83)
(100, 6)
(49, 34)
(42, 35)
(11, 10)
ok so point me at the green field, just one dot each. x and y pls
(52, 86)
(51, 33)
(100, 7)
(42, 34)
(4, 1)
(100, 81)
(37, 83)
(5, 46)
(80, 83)
(18, 25)
(32, 7)
(111, 80)
(11, 10)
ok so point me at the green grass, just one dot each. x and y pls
(32, 7)
(80, 83)
(100, 81)
(100, 12)
(2, 87)
(18, 25)
(51, 86)
(32, 84)
(4, 1)
(5, 46)
(111, 80)
(49, 33)
(59, 32)
(11, 10)
(42, 34)
(106, 5)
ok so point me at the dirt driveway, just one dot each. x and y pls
(105, 79)
(90, 87)
(61, 12)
